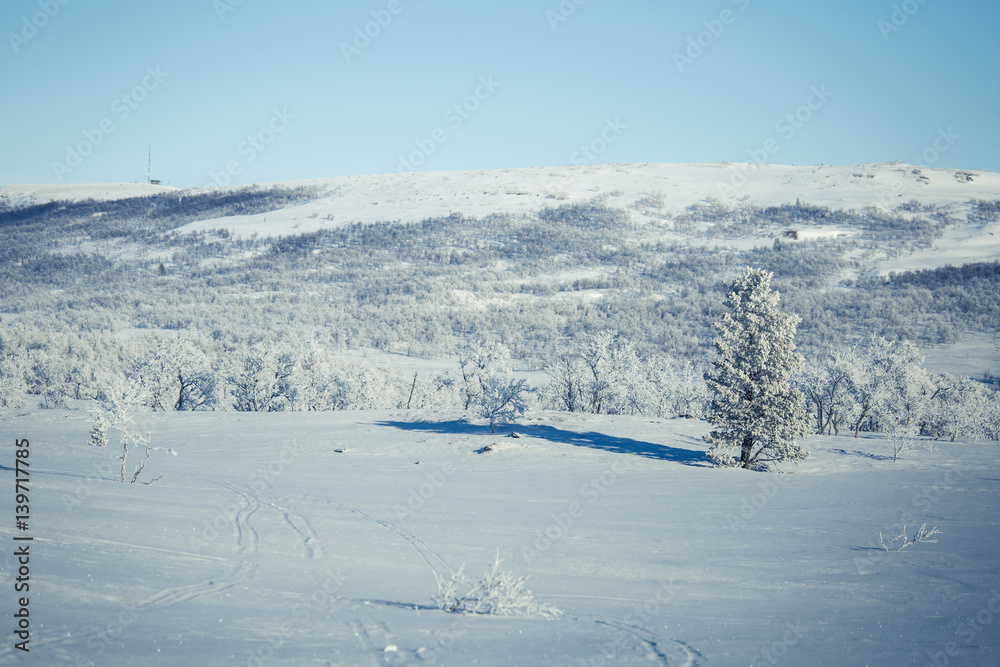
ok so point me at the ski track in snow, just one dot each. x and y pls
(676, 653)
(239, 573)
(301, 526)
(419, 545)
(246, 541)
(376, 637)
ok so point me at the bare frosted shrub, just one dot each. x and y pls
(496, 593)
(901, 541)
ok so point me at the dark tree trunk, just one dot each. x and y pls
(747, 452)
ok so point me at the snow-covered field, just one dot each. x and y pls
(647, 190)
(265, 545)
(642, 188)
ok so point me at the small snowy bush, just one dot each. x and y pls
(99, 430)
(54, 399)
(497, 593)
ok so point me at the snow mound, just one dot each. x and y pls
(506, 445)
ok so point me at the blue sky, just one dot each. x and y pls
(249, 91)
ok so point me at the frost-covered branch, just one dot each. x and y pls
(901, 541)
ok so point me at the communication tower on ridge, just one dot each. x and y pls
(149, 167)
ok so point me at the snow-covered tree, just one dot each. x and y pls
(676, 388)
(490, 388)
(958, 408)
(118, 401)
(437, 391)
(497, 592)
(501, 399)
(889, 387)
(176, 374)
(616, 382)
(566, 388)
(99, 430)
(358, 387)
(988, 426)
(826, 386)
(261, 379)
(477, 362)
(605, 376)
(13, 388)
(756, 412)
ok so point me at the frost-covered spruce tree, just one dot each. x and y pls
(757, 414)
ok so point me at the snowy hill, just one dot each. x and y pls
(411, 197)
(673, 187)
(649, 192)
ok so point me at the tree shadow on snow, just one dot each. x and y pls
(593, 440)
(866, 455)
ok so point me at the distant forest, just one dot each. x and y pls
(83, 279)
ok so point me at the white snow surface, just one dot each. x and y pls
(262, 545)
(31, 195)
(412, 197)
